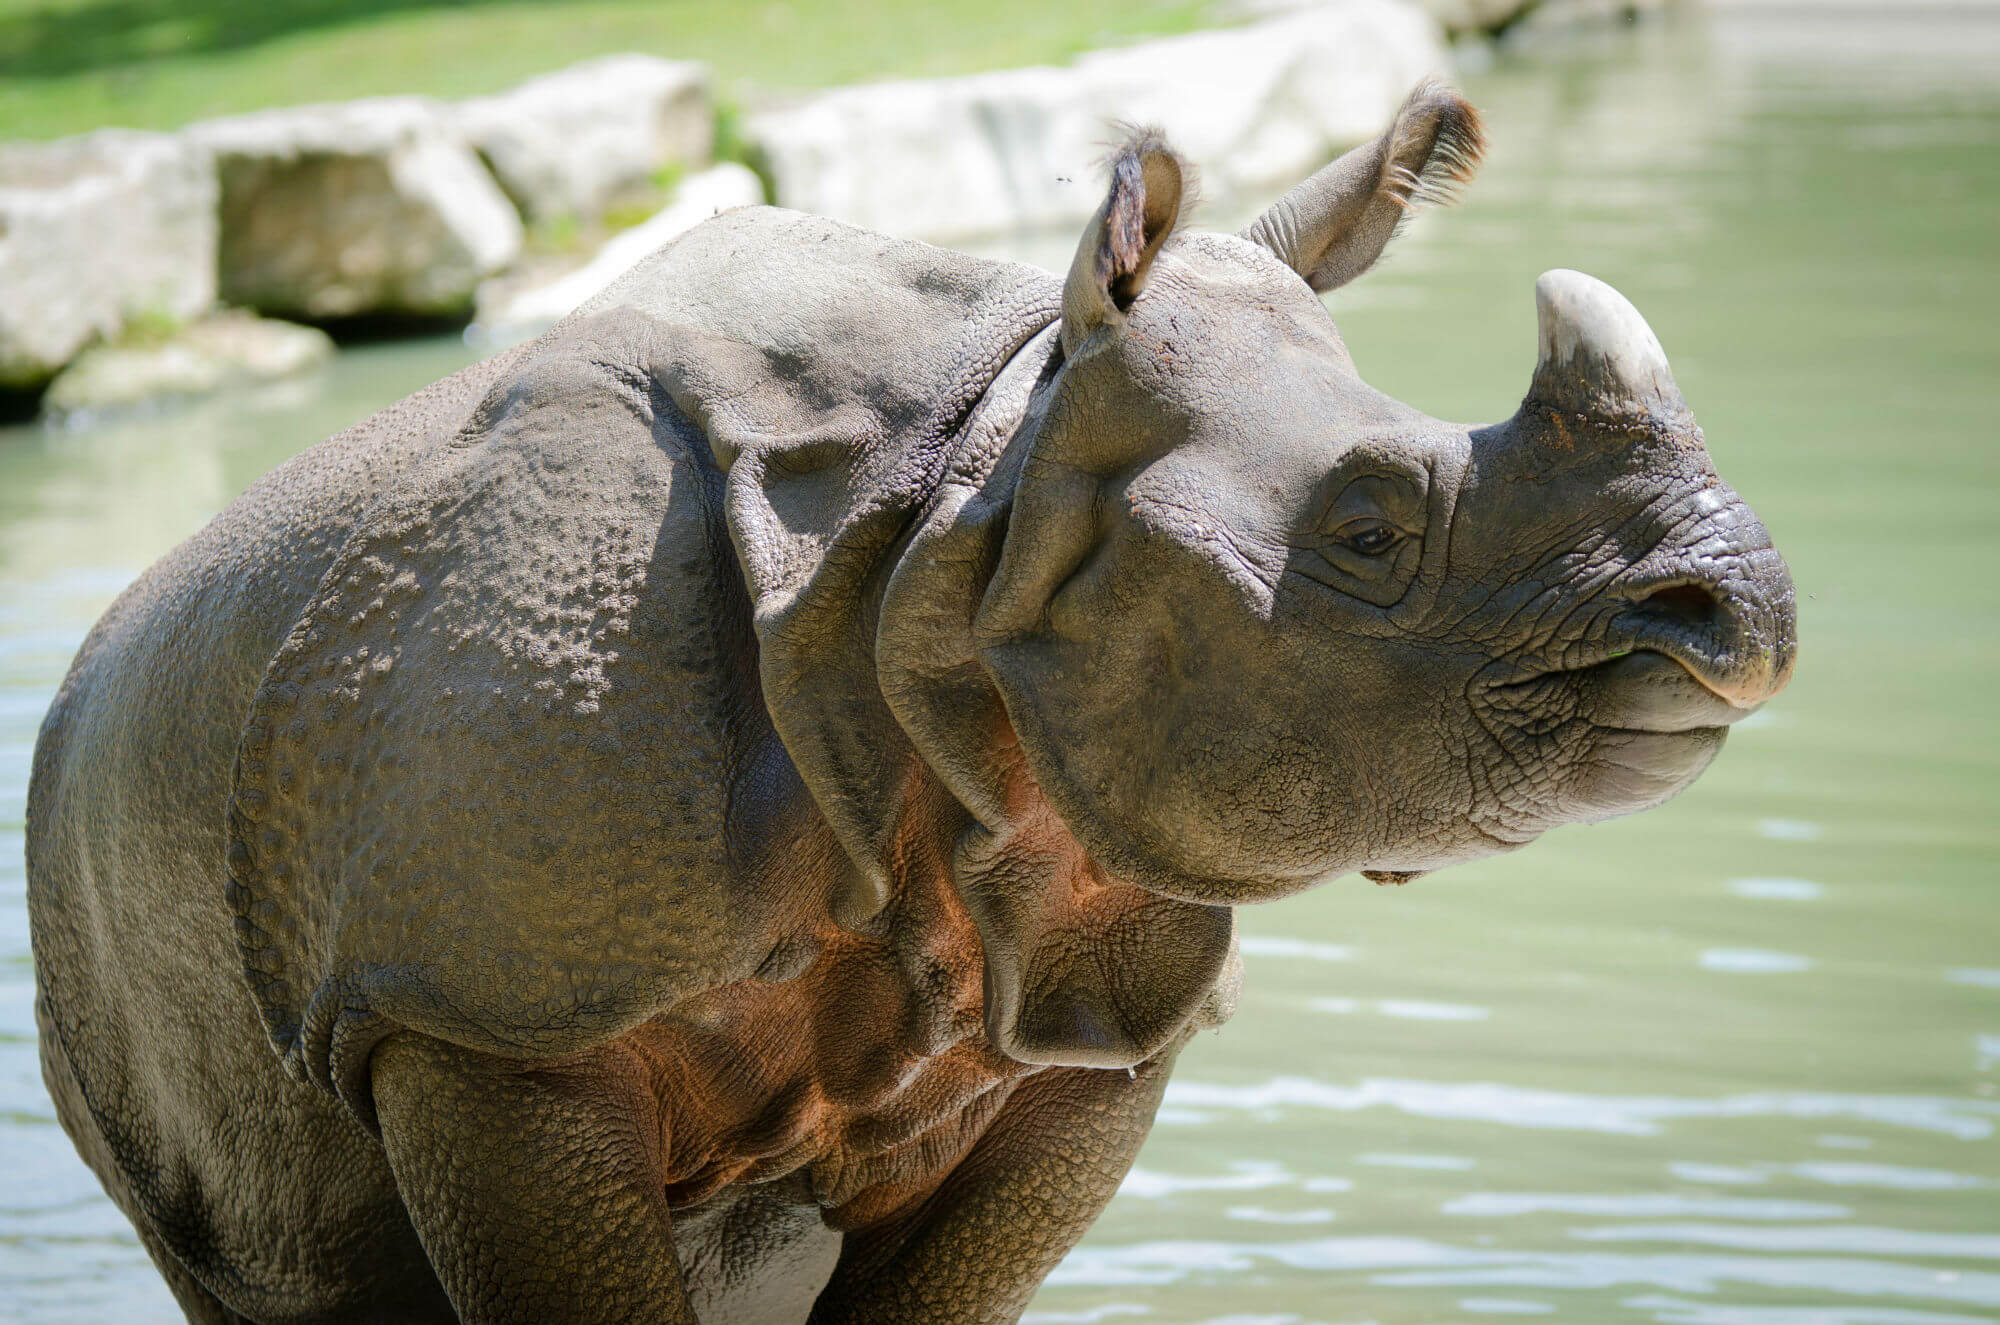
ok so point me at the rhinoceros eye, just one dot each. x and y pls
(1368, 533)
(1371, 538)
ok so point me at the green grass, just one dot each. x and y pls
(68, 66)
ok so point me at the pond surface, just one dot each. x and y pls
(1735, 1062)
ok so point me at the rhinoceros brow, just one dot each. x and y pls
(1406, 499)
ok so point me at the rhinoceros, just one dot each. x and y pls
(727, 812)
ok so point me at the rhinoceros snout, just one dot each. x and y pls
(1715, 596)
(1730, 620)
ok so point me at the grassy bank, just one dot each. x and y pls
(68, 66)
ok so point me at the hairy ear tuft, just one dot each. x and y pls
(1333, 227)
(1441, 130)
(1151, 184)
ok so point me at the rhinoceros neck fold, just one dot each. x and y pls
(1041, 903)
(839, 421)
(925, 658)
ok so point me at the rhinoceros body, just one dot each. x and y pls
(727, 812)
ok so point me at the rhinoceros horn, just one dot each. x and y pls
(1598, 358)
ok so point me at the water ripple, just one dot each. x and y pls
(1837, 1239)
(1094, 1316)
(1678, 1311)
(1885, 1175)
(1419, 1262)
(1646, 1205)
(1631, 1115)
(1777, 890)
(1152, 1185)
(1789, 830)
(1443, 1163)
(1504, 1306)
(1753, 961)
(1706, 1274)
(1257, 1214)
(1262, 945)
(1720, 1175)
(1414, 1010)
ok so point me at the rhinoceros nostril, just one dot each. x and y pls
(1695, 604)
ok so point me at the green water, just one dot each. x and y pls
(1735, 1062)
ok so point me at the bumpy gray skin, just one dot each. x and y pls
(728, 811)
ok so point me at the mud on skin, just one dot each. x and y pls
(728, 811)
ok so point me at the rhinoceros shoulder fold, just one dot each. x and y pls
(839, 375)
(483, 790)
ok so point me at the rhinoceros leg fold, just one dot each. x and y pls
(974, 1250)
(536, 1190)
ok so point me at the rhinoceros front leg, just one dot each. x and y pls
(975, 1250)
(535, 1189)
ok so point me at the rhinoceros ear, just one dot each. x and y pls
(1148, 182)
(1331, 228)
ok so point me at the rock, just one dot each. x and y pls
(517, 314)
(1255, 107)
(1557, 15)
(361, 207)
(1457, 17)
(96, 232)
(228, 349)
(570, 143)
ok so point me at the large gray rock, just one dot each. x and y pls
(955, 159)
(1468, 16)
(570, 143)
(229, 349)
(360, 207)
(1457, 17)
(96, 232)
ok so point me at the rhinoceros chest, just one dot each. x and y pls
(868, 1070)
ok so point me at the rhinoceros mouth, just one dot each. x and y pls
(1653, 692)
(1612, 737)
(1640, 693)
(1737, 643)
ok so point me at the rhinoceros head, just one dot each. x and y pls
(1256, 624)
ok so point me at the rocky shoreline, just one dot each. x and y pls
(136, 266)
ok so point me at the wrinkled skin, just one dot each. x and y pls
(729, 811)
